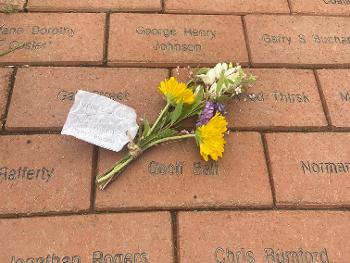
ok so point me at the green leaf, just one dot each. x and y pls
(139, 134)
(160, 135)
(146, 127)
(202, 71)
(174, 116)
(220, 83)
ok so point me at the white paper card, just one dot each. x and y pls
(101, 121)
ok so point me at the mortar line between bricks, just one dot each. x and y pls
(159, 66)
(269, 169)
(290, 7)
(25, 6)
(246, 39)
(285, 129)
(183, 13)
(10, 88)
(323, 99)
(95, 156)
(208, 209)
(106, 39)
(162, 4)
(174, 228)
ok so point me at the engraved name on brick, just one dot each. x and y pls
(160, 39)
(52, 38)
(321, 7)
(44, 173)
(181, 178)
(298, 40)
(303, 162)
(264, 236)
(44, 239)
(53, 91)
(279, 97)
(337, 95)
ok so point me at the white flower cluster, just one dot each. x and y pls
(223, 78)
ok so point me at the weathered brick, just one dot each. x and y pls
(279, 98)
(298, 40)
(42, 97)
(174, 175)
(94, 5)
(158, 39)
(141, 237)
(310, 169)
(336, 89)
(321, 7)
(43, 173)
(5, 74)
(9, 5)
(264, 236)
(226, 7)
(53, 38)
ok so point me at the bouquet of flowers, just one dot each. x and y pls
(204, 96)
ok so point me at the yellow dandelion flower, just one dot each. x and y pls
(211, 137)
(176, 92)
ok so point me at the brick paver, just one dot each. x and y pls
(298, 40)
(53, 90)
(226, 7)
(281, 191)
(182, 179)
(279, 98)
(94, 5)
(321, 7)
(335, 87)
(53, 38)
(295, 236)
(38, 173)
(9, 4)
(165, 40)
(310, 170)
(142, 237)
(5, 75)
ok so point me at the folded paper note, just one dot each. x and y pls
(101, 121)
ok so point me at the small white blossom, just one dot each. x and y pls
(212, 90)
(238, 90)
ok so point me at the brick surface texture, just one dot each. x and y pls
(5, 75)
(281, 192)
(94, 5)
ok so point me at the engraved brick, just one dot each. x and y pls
(336, 89)
(94, 5)
(265, 236)
(53, 38)
(158, 39)
(174, 175)
(9, 5)
(42, 97)
(43, 173)
(141, 237)
(226, 7)
(5, 74)
(279, 98)
(298, 40)
(321, 7)
(310, 169)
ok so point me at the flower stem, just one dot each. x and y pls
(173, 138)
(106, 178)
(165, 109)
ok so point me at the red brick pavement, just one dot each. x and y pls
(281, 192)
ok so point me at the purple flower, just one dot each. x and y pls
(209, 111)
(220, 107)
(207, 114)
